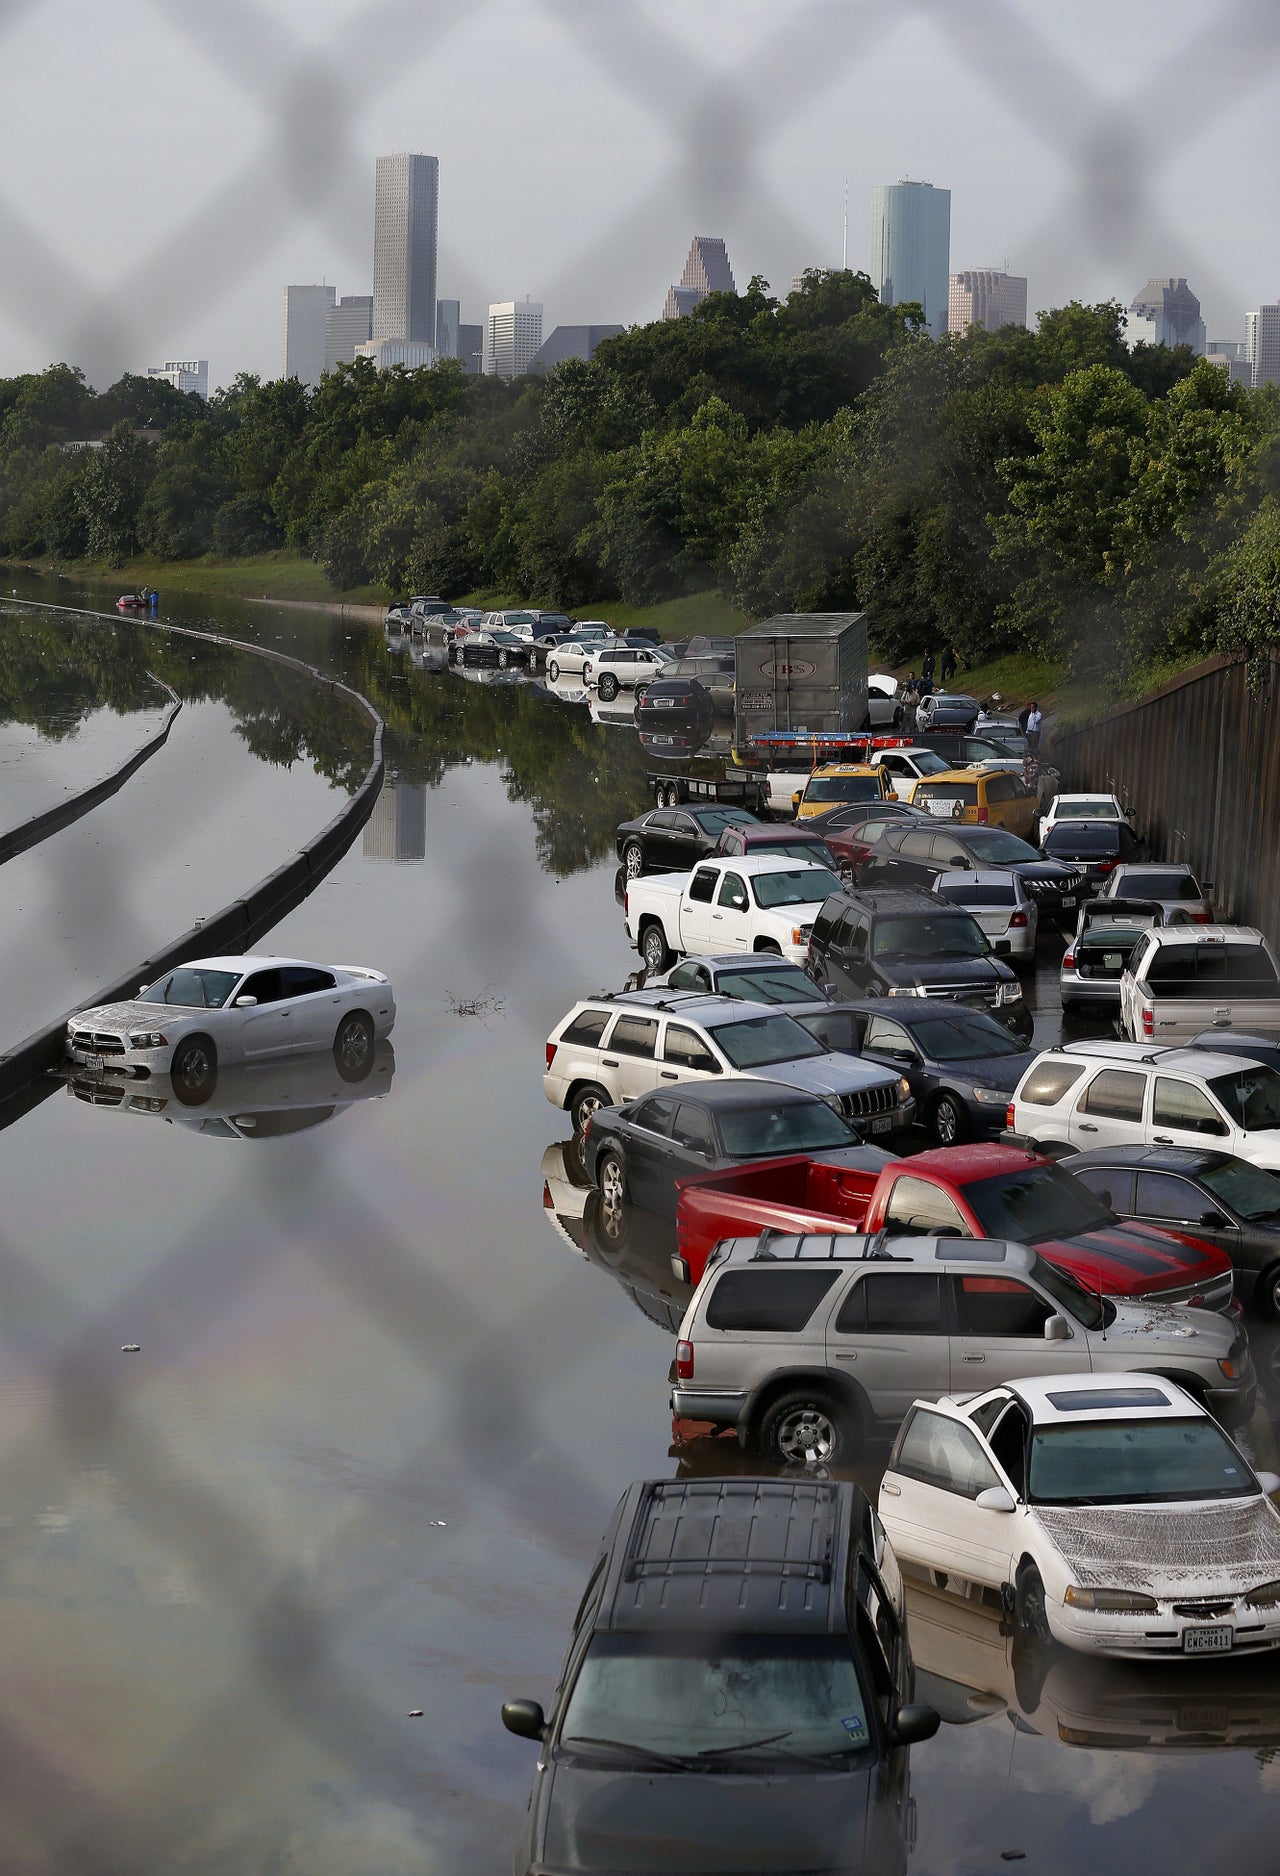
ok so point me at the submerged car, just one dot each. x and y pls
(1113, 1512)
(234, 1009)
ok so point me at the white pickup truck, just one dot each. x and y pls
(1182, 979)
(742, 902)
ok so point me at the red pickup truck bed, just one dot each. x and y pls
(792, 1194)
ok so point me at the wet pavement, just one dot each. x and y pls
(391, 1377)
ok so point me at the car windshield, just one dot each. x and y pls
(964, 792)
(926, 935)
(806, 886)
(1042, 1202)
(717, 1700)
(1250, 1095)
(843, 788)
(1163, 885)
(1252, 1192)
(779, 1127)
(192, 988)
(960, 1038)
(992, 845)
(1091, 1312)
(781, 983)
(1008, 742)
(1082, 808)
(1136, 1462)
(928, 763)
(765, 1039)
(1078, 839)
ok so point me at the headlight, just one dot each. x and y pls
(1111, 1601)
(1011, 993)
(1266, 1596)
(905, 990)
(800, 934)
(990, 1097)
(835, 1102)
(148, 1039)
(904, 1087)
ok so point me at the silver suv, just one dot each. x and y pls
(611, 1048)
(806, 1343)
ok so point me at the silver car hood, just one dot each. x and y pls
(1162, 1328)
(825, 1074)
(1168, 1550)
(119, 1018)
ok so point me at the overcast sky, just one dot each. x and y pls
(167, 167)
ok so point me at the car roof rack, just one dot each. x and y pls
(872, 1251)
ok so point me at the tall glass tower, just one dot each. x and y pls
(911, 248)
(405, 219)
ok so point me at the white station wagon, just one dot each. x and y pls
(234, 1009)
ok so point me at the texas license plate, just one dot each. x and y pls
(1069, 902)
(663, 703)
(92, 1064)
(881, 1123)
(661, 742)
(1207, 1641)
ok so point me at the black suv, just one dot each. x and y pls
(913, 944)
(737, 1691)
(916, 855)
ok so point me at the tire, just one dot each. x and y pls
(194, 1070)
(553, 670)
(607, 687)
(1029, 1612)
(586, 1102)
(611, 1178)
(897, 718)
(640, 691)
(948, 1122)
(633, 859)
(807, 1428)
(1267, 1293)
(767, 948)
(353, 1046)
(670, 796)
(653, 949)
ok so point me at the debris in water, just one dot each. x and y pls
(416, 1713)
(131, 1348)
(488, 1003)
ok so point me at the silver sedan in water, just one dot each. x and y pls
(234, 1009)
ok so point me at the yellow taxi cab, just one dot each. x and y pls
(992, 797)
(836, 785)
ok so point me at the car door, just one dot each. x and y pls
(685, 842)
(1109, 1109)
(938, 1466)
(731, 915)
(890, 1337)
(650, 1174)
(629, 1058)
(1166, 1199)
(697, 908)
(316, 1003)
(888, 1042)
(998, 1334)
(693, 1140)
(850, 953)
(1184, 1115)
(267, 1028)
(686, 1055)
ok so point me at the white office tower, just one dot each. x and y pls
(184, 374)
(347, 325)
(513, 336)
(306, 311)
(405, 220)
(1262, 344)
(1167, 312)
(412, 353)
(911, 248)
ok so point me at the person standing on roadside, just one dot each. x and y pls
(1034, 720)
(926, 668)
(910, 698)
(947, 668)
(1023, 714)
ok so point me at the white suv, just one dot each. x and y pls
(625, 667)
(1090, 1094)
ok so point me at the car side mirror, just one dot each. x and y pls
(1206, 887)
(143, 988)
(246, 1003)
(1270, 1483)
(680, 1268)
(524, 1717)
(958, 859)
(795, 799)
(1214, 1221)
(1056, 1330)
(914, 1723)
(995, 1498)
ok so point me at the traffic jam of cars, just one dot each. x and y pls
(815, 1140)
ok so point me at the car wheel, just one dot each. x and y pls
(1267, 1293)
(897, 717)
(353, 1046)
(640, 691)
(670, 796)
(948, 1121)
(767, 948)
(1029, 1612)
(587, 1102)
(653, 949)
(612, 1180)
(633, 859)
(807, 1429)
(194, 1070)
(553, 670)
(608, 687)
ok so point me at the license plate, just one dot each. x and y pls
(92, 1064)
(661, 742)
(1207, 1641)
(663, 703)
(1069, 902)
(1111, 960)
(881, 1123)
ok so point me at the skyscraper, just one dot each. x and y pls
(911, 248)
(448, 316)
(184, 374)
(986, 297)
(405, 217)
(1167, 312)
(513, 336)
(471, 350)
(346, 325)
(1262, 343)
(571, 342)
(706, 270)
(306, 310)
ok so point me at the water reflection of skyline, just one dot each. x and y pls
(396, 831)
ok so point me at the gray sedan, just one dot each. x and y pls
(1176, 888)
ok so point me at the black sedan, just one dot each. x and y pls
(1094, 848)
(669, 701)
(639, 1150)
(915, 856)
(963, 1065)
(672, 840)
(1212, 1196)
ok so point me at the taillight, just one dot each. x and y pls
(1008, 1117)
(1202, 918)
(1069, 961)
(551, 1053)
(684, 1361)
(548, 1203)
(1106, 866)
(982, 814)
(1148, 1022)
(1019, 921)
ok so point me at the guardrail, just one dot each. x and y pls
(237, 926)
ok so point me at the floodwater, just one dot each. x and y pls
(389, 1383)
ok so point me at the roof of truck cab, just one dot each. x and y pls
(962, 1165)
(752, 863)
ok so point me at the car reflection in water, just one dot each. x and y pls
(632, 1245)
(427, 657)
(256, 1101)
(972, 1666)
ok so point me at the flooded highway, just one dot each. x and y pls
(267, 1577)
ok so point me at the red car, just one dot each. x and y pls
(989, 1191)
(849, 832)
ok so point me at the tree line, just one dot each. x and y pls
(1055, 489)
